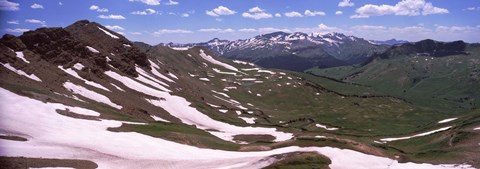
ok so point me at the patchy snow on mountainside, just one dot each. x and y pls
(21, 56)
(21, 72)
(108, 33)
(212, 60)
(90, 94)
(417, 135)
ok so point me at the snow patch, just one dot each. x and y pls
(447, 120)
(212, 60)
(78, 66)
(249, 120)
(417, 135)
(91, 49)
(221, 72)
(89, 94)
(325, 127)
(223, 110)
(204, 79)
(156, 118)
(108, 33)
(21, 56)
(117, 87)
(21, 72)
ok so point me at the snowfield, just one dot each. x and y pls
(52, 135)
(108, 33)
(90, 94)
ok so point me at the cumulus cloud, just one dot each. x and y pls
(6, 5)
(145, 12)
(36, 6)
(217, 30)
(60, 3)
(171, 31)
(184, 15)
(278, 15)
(256, 13)
(13, 22)
(345, 3)
(171, 2)
(111, 17)
(293, 14)
(314, 13)
(114, 27)
(35, 21)
(472, 9)
(16, 30)
(148, 2)
(220, 10)
(338, 13)
(98, 9)
(404, 7)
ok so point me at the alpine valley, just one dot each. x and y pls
(86, 97)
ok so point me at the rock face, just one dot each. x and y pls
(73, 44)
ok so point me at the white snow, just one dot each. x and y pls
(282, 73)
(146, 75)
(221, 72)
(220, 93)
(212, 60)
(156, 118)
(72, 72)
(172, 75)
(117, 87)
(417, 135)
(180, 48)
(258, 81)
(91, 49)
(158, 74)
(78, 66)
(250, 69)
(447, 120)
(223, 110)
(250, 104)
(21, 72)
(152, 83)
(325, 127)
(79, 110)
(266, 71)
(258, 94)
(249, 120)
(238, 112)
(212, 105)
(52, 168)
(241, 107)
(89, 94)
(127, 45)
(21, 56)
(204, 79)
(56, 136)
(108, 33)
(244, 63)
(231, 87)
(478, 128)
(248, 79)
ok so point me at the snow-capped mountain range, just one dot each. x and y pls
(294, 51)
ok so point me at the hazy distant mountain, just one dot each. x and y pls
(388, 42)
(294, 51)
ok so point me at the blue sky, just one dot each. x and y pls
(182, 21)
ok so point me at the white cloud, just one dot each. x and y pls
(247, 30)
(218, 19)
(114, 27)
(471, 9)
(6, 5)
(278, 15)
(368, 28)
(98, 9)
(43, 23)
(256, 13)
(17, 30)
(256, 16)
(404, 7)
(184, 15)
(111, 17)
(121, 33)
(345, 3)
(148, 2)
(255, 9)
(60, 3)
(36, 6)
(314, 13)
(145, 12)
(217, 30)
(269, 30)
(13, 22)
(171, 31)
(136, 33)
(220, 10)
(293, 14)
(338, 13)
(171, 2)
